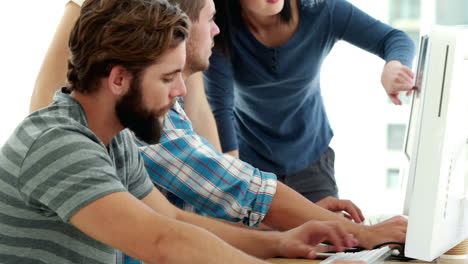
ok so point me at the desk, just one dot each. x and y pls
(293, 261)
(305, 261)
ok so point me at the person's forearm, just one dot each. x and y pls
(199, 111)
(289, 209)
(53, 72)
(185, 243)
(147, 231)
(219, 89)
(257, 243)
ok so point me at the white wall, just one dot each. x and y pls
(26, 28)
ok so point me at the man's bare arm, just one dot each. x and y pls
(53, 72)
(125, 223)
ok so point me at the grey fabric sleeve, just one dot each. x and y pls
(65, 171)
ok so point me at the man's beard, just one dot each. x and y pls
(132, 114)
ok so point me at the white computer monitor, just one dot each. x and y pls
(436, 146)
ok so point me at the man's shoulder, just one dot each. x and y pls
(47, 130)
(40, 144)
(54, 119)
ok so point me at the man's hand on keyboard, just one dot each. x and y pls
(391, 230)
(303, 241)
(348, 208)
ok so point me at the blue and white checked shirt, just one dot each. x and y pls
(197, 178)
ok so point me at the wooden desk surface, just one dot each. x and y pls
(306, 261)
(293, 261)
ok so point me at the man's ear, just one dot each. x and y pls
(119, 80)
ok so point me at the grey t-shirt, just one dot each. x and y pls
(52, 166)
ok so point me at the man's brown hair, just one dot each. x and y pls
(130, 33)
(191, 7)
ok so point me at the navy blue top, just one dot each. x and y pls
(267, 100)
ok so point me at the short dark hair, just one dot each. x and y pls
(228, 18)
(130, 33)
(191, 7)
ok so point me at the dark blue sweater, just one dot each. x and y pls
(267, 100)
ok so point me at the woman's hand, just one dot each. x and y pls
(397, 78)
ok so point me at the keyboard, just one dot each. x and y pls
(374, 256)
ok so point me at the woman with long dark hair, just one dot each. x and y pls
(264, 82)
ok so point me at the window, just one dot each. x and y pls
(395, 136)
(404, 15)
(393, 179)
(453, 12)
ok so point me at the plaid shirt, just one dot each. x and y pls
(197, 178)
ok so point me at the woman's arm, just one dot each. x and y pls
(219, 86)
(199, 111)
(394, 46)
(53, 72)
